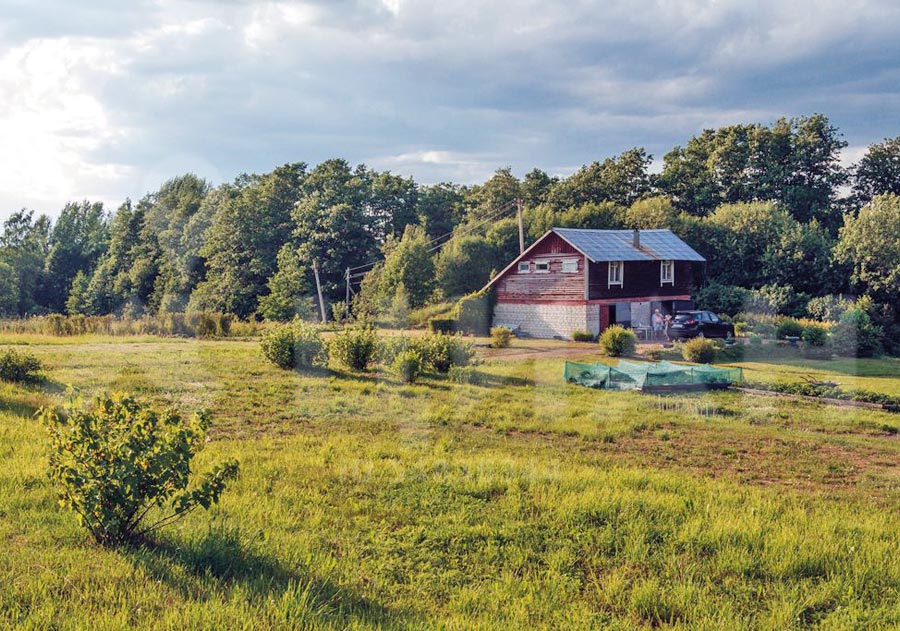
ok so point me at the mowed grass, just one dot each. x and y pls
(522, 503)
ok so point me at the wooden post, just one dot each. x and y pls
(319, 290)
(521, 227)
(347, 299)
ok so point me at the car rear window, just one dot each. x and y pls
(684, 317)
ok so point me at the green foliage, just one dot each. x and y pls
(465, 265)
(828, 308)
(719, 298)
(814, 335)
(878, 172)
(788, 328)
(409, 264)
(118, 464)
(356, 347)
(699, 350)
(583, 336)
(756, 340)
(408, 366)
(19, 367)
(295, 345)
(500, 337)
(870, 244)
(617, 341)
(441, 325)
(442, 351)
(473, 313)
(290, 292)
(398, 311)
(466, 374)
(9, 290)
(855, 335)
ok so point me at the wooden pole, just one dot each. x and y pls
(347, 299)
(521, 226)
(319, 290)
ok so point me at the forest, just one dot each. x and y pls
(784, 226)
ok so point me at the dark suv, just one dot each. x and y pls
(687, 324)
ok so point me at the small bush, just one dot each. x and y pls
(441, 325)
(855, 335)
(728, 352)
(295, 345)
(355, 347)
(755, 340)
(408, 366)
(617, 341)
(814, 335)
(19, 367)
(118, 463)
(583, 336)
(441, 352)
(699, 350)
(788, 328)
(466, 374)
(500, 337)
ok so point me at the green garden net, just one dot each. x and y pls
(628, 375)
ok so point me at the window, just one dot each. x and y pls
(524, 267)
(543, 266)
(667, 272)
(570, 267)
(615, 273)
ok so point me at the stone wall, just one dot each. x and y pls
(546, 320)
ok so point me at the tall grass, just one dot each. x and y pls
(194, 324)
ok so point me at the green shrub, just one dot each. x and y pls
(295, 345)
(441, 352)
(755, 340)
(699, 350)
(119, 464)
(441, 325)
(500, 337)
(828, 308)
(355, 347)
(19, 367)
(855, 335)
(617, 341)
(728, 352)
(408, 366)
(473, 313)
(720, 298)
(466, 374)
(788, 328)
(583, 336)
(814, 335)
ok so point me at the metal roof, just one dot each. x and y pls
(618, 245)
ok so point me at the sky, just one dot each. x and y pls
(103, 99)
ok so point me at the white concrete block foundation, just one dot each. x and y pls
(548, 320)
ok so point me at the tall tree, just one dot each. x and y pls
(24, 245)
(440, 208)
(878, 171)
(622, 180)
(78, 240)
(870, 243)
(408, 262)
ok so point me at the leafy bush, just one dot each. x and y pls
(815, 341)
(441, 352)
(355, 347)
(117, 462)
(617, 341)
(828, 308)
(855, 335)
(788, 328)
(441, 325)
(728, 352)
(755, 340)
(727, 299)
(500, 337)
(19, 367)
(699, 350)
(473, 313)
(583, 336)
(408, 366)
(295, 345)
(466, 374)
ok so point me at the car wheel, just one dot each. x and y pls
(728, 335)
(700, 334)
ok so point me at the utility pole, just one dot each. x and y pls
(347, 299)
(521, 226)
(319, 290)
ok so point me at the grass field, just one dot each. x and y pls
(522, 503)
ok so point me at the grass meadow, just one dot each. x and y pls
(522, 503)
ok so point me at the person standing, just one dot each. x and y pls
(657, 324)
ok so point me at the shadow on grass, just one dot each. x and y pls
(221, 561)
(26, 399)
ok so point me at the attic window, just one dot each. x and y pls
(542, 267)
(667, 272)
(524, 267)
(615, 273)
(570, 267)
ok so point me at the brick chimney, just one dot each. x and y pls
(637, 238)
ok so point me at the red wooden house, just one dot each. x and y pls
(584, 280)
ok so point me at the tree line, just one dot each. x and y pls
(770, 206)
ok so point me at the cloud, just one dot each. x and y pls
(103, 103)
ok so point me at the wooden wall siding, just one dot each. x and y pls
(544, 286)
(641, 279)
